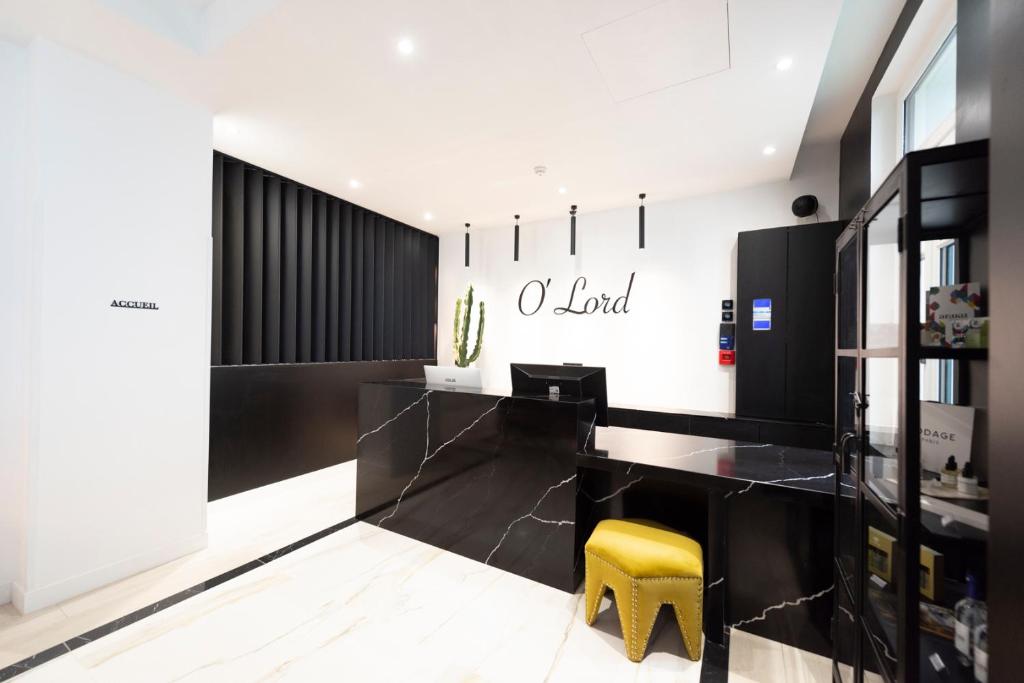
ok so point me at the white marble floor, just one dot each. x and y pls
(240, 529)
(753, 659)
(366, 604)
(362, 604)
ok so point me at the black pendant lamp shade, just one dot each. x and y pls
(572, 230)
(467, 245)
(515, 244)
(642, 196)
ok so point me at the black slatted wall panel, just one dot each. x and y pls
(346, 283)
(271, 270)
(231, 305)
(289, 273)
(252, 277)
(301, 276)
(216, 333)
(333, 280)
(358, 260)
(369, 270)
(305, 320)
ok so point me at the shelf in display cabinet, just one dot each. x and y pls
(955, 518)
(954, 671)
(952, 354)
(883, 500)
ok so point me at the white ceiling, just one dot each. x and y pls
(316, 90)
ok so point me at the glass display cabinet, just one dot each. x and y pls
(910, 376)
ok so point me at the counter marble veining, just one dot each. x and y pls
(519, 482)
(719, 463)
(489, 476)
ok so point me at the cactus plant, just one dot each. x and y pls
(460, 344)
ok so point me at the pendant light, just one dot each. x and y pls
(572, 230)
(467, 245)
(642, 196)
(515, 244)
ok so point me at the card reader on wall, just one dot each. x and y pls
(727, 336)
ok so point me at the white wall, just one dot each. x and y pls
(930, 27)
(14, 246)
(664, 352)
(119, 195)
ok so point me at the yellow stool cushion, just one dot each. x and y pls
(646, 565)
(646, 549)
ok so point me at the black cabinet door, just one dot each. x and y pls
(761, 267)
(810, 322)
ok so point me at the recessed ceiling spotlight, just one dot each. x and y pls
(405, 47)
(562, 190)
(354, 184)
(784, 64)
(768, 150)
(427, 216)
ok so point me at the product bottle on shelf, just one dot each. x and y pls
(981, 653)
(970, 613)
(967, 482)
(949, 473)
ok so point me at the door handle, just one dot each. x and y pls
(843, 440)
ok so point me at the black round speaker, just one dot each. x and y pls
(805, 205)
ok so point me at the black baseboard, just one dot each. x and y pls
(273, 422)
(721, 426)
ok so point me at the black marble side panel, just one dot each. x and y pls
(762, 513)
(492, 478)
(272, 422)
(779, 578)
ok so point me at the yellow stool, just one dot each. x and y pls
(646, 565)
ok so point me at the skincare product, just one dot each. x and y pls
(932, 572)
(880, 547)
(977, 334)
(949, 473)
(967, 482)
(981, 653)
(970, 613)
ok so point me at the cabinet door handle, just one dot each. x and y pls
(845, 439)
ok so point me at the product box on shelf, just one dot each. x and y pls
(952, 317)
(954, 302)
(945, 430)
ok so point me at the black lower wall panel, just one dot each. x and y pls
(723, 426)
(273, 422)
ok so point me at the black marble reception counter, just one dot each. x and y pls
(486, 475)
(519, 482)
